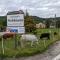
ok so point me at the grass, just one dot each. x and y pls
(43, 45)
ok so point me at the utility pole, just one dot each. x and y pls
(55, 20)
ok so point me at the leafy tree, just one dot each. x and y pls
(58, 23)
(29, 24)
(3, 22)
(47, 23)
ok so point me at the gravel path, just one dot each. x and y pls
(50, 54)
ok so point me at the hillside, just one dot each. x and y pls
(3, 19)
(38, 19)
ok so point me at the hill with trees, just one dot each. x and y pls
(3, 20)
(38, 19)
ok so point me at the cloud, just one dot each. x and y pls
(41, 8)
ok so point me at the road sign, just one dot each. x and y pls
(15, 23)
(16, 29)
(21, 30)
(15, 20)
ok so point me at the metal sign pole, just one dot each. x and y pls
(15, 41)
(2, 45)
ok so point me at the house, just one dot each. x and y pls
(40, 25)
(53, 24)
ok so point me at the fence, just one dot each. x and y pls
(10, 44)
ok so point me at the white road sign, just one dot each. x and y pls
(20, 23)
(15, 23)
(15, 20)
(21, 30)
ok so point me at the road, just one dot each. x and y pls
(53, 53)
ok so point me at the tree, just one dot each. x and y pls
(58, 23)
(47, 24)
(29, 23)
(3, 23)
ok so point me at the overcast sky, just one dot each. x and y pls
(41, 8)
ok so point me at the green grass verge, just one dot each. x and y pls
(28, 50)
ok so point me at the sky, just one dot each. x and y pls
(41, 8)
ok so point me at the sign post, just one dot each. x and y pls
(2, 46)
(15, 41)
(1, 34)
(15, 23)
